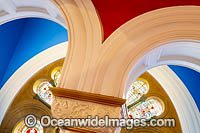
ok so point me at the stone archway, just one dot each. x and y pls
(104, 67)
(95, 66)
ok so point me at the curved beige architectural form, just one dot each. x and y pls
(103, 68)
(85, 35)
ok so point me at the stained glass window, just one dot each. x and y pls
(21, 128)
(138, 89)
(147, 109)
(42, 89)
(56, 73)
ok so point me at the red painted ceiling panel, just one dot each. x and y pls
(114, 13)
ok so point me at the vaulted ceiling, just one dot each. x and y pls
(22, 39)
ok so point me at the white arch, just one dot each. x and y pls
(14, 84)
(184, 104)
(181, 52)
(16, 9)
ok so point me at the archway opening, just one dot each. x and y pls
(179, 79)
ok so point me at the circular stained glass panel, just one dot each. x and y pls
(21, 128)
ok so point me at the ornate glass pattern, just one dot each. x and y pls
(147, 109)
(42, 89)
(56, 73)
(44, 92)
(21, 128)
(138, 89)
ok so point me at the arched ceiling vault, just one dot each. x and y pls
(112, 17)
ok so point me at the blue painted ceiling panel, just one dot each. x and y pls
(9, 37)
(191, 79)
(26, 38)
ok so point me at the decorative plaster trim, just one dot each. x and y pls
(16, 9)
(70, 108)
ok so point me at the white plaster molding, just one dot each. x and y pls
(8, 6)
(16, 9)
(153, 57)
(26, 71)
(180, 52)
(184, 104)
